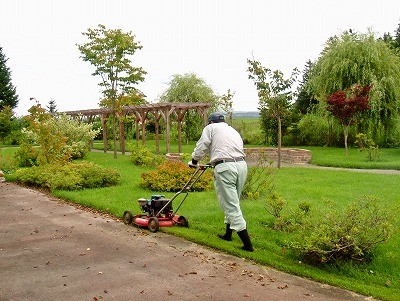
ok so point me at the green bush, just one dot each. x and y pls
(349, 234)
(78, 134)
(313, 130)
(172, 176)
(51, 139)
(142, 156)
(260, 179)
(70, 176)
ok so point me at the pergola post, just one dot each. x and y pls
(167, 131)
(180, 114)
(137, 120)
(104, 126)
(121, 136)
(157, 117)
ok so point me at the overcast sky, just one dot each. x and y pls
(211, 38)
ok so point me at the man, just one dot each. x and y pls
(225, 147)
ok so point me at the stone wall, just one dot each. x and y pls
(254, 155)
(288, 155)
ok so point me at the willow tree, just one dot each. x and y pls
(361, 59)
(191, 88)
(110, 51)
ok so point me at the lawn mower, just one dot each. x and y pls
(158, 212)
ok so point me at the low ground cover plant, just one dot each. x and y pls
(70, 176)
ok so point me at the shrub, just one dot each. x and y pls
(78, 135)
(313, 130)
(58, 139)
(350, 234)
(142, 156)
(292, 220)
(260, 179)
(172, 176)
(366, 143)
(70, 176)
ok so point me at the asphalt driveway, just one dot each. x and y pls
(50, 250)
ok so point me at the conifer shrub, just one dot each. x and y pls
(172, 176)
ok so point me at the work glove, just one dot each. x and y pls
(193, 164)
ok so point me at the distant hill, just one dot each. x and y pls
(245, 114)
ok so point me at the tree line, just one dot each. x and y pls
(292, 111)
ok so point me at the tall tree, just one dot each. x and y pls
(193, 89)
(274, 93)
(110, 52)
(305, 100)
(52, 107)
(361, 59)
(397, 37)
(8, 96)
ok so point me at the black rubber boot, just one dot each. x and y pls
(228, 233)
(244, 236)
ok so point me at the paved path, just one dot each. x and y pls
(50, 250)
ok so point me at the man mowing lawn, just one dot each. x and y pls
(225, 147)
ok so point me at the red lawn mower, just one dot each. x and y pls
(158, 211)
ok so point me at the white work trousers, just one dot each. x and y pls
(229, 179)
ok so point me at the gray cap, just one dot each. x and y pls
(216, 117)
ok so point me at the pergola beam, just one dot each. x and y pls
(141, 113)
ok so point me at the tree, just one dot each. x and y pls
(361, 59)
(397, 37)
(110, 51)
(226, 104)
(274, 93)
(305, 100)
(52, 107)
(193, 89)
(5, 122)
(345, 105)
(8, 96)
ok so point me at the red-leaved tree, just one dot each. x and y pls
(346, 105)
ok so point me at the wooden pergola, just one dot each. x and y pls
(142, 114)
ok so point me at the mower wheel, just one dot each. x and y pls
(153, 224)
(183, 222)
(127, 217)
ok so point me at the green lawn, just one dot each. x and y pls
(321, 188)
(389, 158)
